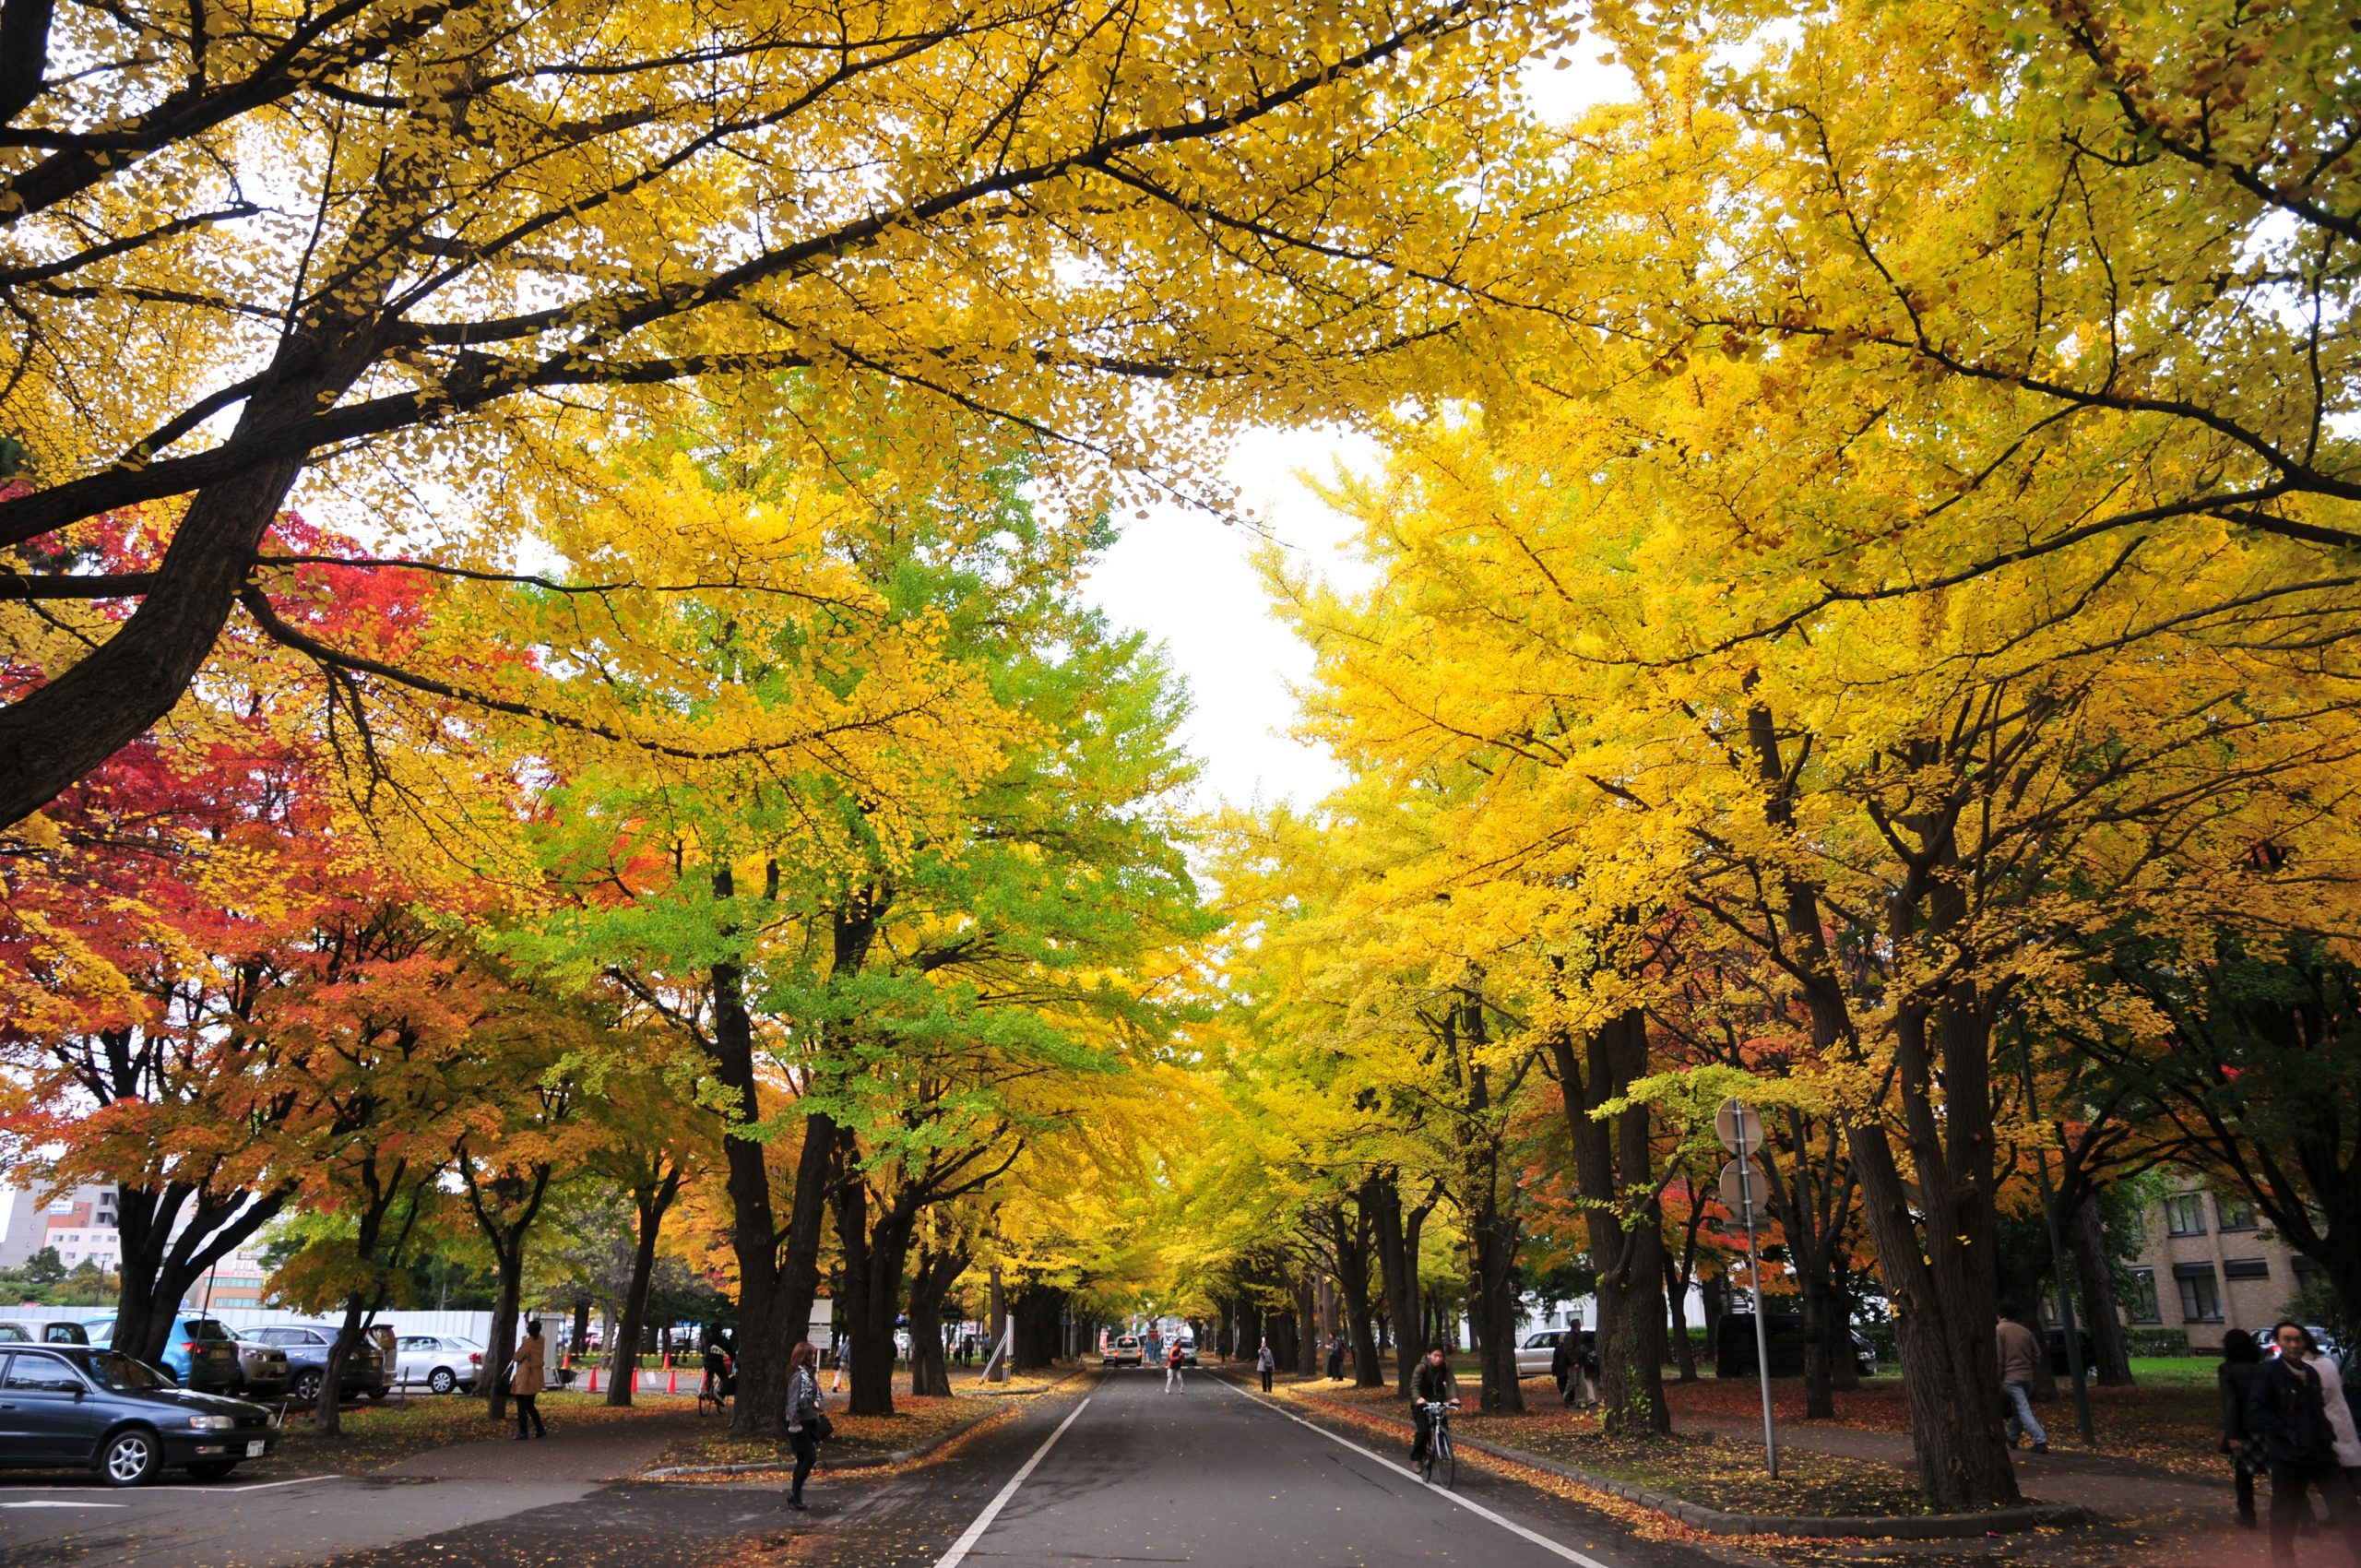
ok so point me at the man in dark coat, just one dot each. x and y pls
(2287, 1419)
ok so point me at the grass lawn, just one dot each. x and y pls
(914, 1421)
(378, 1435)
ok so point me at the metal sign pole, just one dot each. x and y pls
(1754, 1273)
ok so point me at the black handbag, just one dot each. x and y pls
(822, 1429)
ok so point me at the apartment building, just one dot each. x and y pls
(81, 1220)
(2208, 1265)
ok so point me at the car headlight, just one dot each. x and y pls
(213, 1423)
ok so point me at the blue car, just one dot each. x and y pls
(199, 1352)
(71, 1407)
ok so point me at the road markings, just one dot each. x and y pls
(266, 1486)
(62, 1504)
(1535, 1537)
(975, 1532)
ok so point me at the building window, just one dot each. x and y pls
(2245, 1268)
(2234, 1213)
(2185, 1215)
(2141, 1304)
(2200, 1297)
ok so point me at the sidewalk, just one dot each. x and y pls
(582, 1453)
(2184, 1523)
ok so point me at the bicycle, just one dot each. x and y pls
(1439, 1455)
(714, 1390)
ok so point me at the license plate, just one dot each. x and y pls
(254, 1449)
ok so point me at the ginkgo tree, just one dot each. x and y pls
(410, 257)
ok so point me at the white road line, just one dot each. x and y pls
(1544, 1542)
(266, 1486)
(975, 1532)
(62, 1504)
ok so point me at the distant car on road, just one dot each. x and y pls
(307, 1346)
(73, 1406)
(441, 1361)
(1125, 1352)
(200, 1352)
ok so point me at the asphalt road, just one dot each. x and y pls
(1115, 1471)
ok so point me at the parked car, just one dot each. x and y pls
(199, 1352)
(1784, 1332)
(262, 1368)
(2054, 1337)
(1538, 1349)
(41, 1331)
(1125, 1351)
(441, 1361)
(307, 1346)
(73, 1406)
(1187, 1351)
(2327, 1342)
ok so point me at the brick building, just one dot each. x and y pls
(2208, 1265)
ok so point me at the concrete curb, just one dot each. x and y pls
(858, 1461)
(1715, 1521)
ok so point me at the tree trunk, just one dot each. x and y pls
(651, 1200)
(1612, 1161)
(2109, 1347)
(500, 1341)
(1715, 1289)
(1675, 1295)
(157, 1267)
(930, 1283)
(1307, 1318)
(1349, 1243)
(874, 1258)
(1398, 1232)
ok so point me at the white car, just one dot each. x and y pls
(1533, 1355)
(441, 1361)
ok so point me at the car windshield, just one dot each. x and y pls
(113, 1369)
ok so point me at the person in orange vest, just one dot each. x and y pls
(1172, 1367)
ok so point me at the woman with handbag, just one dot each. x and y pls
(807, 1424)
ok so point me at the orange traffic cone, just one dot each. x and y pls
(594, 1377)
(672, 1381)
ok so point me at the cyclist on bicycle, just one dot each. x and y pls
(1431, 1387)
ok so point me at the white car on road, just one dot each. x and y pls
(441, 1361)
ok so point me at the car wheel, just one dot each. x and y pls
(441, 1381)
(130, 1458)
(212, 1469)
(378, 1393)
(307, 1384)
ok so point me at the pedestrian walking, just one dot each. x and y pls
(1265, 1363)
(1582, 1369)
(2020, 1363)
(2241, 1362)
(1561, 1364)
(1336, 1358)
(1172, 1384)
(805, 1421)
(525, 1378)
(2288, 1417)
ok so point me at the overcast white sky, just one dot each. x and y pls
(1184, 578)
(1187, 580)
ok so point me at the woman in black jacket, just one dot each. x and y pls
(2287, 1417)
(2241, 1362)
